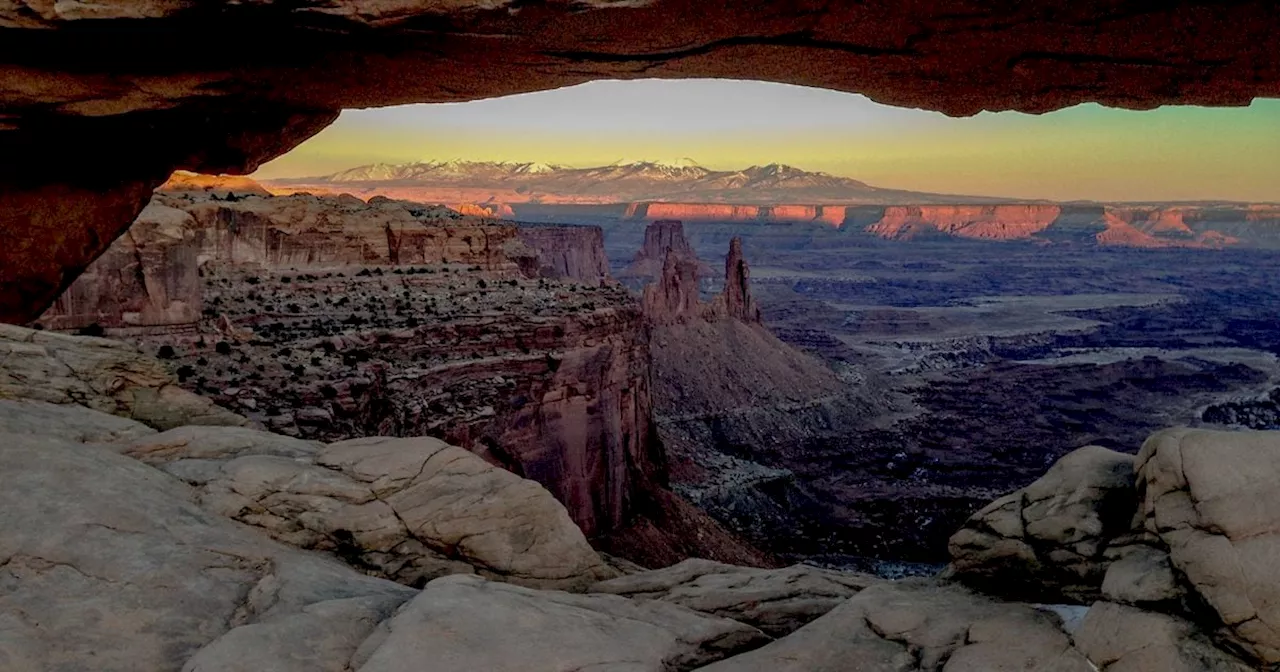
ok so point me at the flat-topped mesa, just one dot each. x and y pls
(738, 302)
(661, 236)
(566, 252)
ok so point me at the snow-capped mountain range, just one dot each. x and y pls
(634, 180)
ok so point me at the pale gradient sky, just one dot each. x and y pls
(1086, 152)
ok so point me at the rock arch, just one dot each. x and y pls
(101, 100)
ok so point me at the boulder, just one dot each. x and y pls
(1048, 541)
(918, 625)
(405, 509)
(1213, 498)
(1118, 638)
(107, 564)
(104, 375)
(778, 601)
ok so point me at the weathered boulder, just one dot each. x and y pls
(464, 623)
(406, 509)
(107, 564)
(1118, 638)
(917, 625)
(104, 375)
(1048, 541)
(1213, 498)
(778, 601)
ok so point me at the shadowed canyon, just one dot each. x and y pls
(449, 415)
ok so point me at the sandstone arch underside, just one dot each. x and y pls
(101, 99)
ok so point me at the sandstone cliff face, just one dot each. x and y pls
(148, 278)
(303, 231)
(833, 215)
(567, 252)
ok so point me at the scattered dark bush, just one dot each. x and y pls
(222, 348)
(166, 352)
(94, 329)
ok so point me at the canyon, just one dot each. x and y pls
(327, 318)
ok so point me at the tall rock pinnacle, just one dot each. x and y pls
(738, 302)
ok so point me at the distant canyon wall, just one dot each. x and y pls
(150, 276)
(1118, 225)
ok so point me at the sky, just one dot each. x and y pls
(1084, 152)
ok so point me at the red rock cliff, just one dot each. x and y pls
(149, 277)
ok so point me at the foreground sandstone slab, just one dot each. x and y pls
(1124, 639)
(917, 625)
(463, 624)
(407, 509)
(107, 564)
(778, 601)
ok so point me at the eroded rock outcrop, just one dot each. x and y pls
(660, 237)
(738, 302)
(673, 297)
